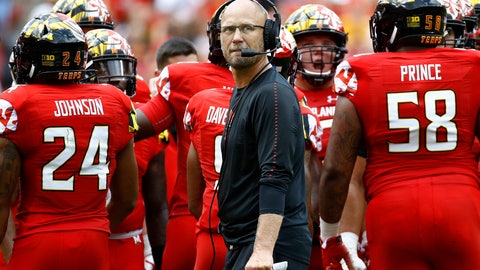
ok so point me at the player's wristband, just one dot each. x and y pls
(328, 230)
(157, 252)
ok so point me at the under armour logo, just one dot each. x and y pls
(137, 240)
(331, 99)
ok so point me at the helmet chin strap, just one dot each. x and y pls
(32, 70)
(394, 34)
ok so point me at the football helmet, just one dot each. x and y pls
(51, 48)
(454, 36)
(111, 56)
(476, 9)
(398, 23)
(471, 22)
(317, 19)
(285, 57)
(87, 13)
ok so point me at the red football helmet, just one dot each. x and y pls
(317, 19)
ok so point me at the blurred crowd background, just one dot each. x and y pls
(147, 23)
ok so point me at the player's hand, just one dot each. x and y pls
(357, 263)
(350, 240)
(363, 250)
(335, 255)
(148, 263)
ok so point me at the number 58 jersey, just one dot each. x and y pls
(419, 111)
(68, 137)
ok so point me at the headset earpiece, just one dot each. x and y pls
(271, 32)
(213, 32)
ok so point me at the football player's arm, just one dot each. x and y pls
(343, 145)
(315, 169)
(145, 128)
(195, 183)
(308, 189)
(123, 186)
(352, 220)
(154, 117)
(342, 150)
(10, 164)
(354, 210)
(6, 245)
(154, 190)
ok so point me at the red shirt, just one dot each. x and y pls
(418, 110)
(176, 84)
(205, 119)
(68, 137)
(145, 150)
(312, 128)
(322, 103)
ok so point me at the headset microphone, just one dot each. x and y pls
(251, 53)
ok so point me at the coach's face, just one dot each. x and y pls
(241, 27)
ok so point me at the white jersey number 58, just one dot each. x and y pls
(436, 121)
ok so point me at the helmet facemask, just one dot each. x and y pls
(455, 34)
(111, 58)
(317, 63)
(119, 71)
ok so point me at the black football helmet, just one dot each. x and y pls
(87, 13)
(51, 48)
(455, 30)
(112, 59)
(317, 19)
(398, 23)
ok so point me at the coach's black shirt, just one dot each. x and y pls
(263, 165)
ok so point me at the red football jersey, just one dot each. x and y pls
(145, 150)
(418, 111)
(322, 103)
(68, 137)
(312, 127)
(176, 84)
(205, 119)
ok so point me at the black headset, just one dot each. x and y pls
(271, 31)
